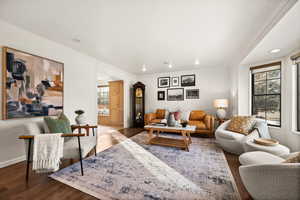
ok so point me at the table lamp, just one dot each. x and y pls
(221, 105)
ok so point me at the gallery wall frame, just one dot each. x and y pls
(175, 94)
(161, 95)
(27, 99)
(175, 81)
(188, 80)
(192, 94)
(163, 82)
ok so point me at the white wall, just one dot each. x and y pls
(80, 79)
(286, 134)
(213, 83)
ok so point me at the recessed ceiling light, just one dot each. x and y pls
(170, 65)
(144, 68)
(274, 50)
(76, 40)
(197, 62)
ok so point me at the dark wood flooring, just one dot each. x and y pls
(14, 187)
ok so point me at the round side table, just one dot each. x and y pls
(275, 150)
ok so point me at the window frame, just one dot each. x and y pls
(297, 96)
(104, 86)
(253, 95)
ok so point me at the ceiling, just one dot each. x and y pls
(284, 36)
(131, 33)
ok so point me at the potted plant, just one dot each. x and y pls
(80, 118)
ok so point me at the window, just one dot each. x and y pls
(103, 100)
(266, 93)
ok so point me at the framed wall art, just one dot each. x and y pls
(188, 80)
(163, 82)
(32, 85)
(161, 95)
(175, 81)
(192, 94)
(175, 94)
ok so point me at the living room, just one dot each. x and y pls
(210, 106)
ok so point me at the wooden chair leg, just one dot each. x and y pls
(80, 156)
(28, 159)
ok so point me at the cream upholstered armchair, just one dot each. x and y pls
(233, 142)
(267, 178)
(76, 146)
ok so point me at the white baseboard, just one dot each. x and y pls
(12, 161)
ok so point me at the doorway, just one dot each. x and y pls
(111, 104)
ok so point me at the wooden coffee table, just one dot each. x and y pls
(171, 142)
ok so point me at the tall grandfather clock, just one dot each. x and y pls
(138, 104)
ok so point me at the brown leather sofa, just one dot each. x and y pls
(155, 117)
(204, 122)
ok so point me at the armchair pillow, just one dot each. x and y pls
(59, 125)
(241, 124)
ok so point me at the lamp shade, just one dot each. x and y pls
(221, 103)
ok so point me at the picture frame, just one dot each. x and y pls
(163, 82)
(161, 95)
(192, 94)
(175, 94)
(188, 80)
(175, 81)
(32, 86)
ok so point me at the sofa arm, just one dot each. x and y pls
(149, 117)
(209, 122)
(272, 181)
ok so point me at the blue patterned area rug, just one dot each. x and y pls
(134, 170)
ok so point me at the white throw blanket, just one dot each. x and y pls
(47, 152)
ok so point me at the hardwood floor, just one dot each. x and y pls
(13, 185)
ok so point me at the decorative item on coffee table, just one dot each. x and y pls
(184, 123)
(171, 120)
(80, 118)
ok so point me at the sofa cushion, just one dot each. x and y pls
(185, 115)
(241, 124)
(156, 121)
(197, 115)
(259, 157)
(198, 124)
(160, 113)
(71, 146)
(229, 135)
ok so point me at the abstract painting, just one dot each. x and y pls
(32, 85)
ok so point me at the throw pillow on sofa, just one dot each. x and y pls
(241, 124)
(177, 115)
(293, 159)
